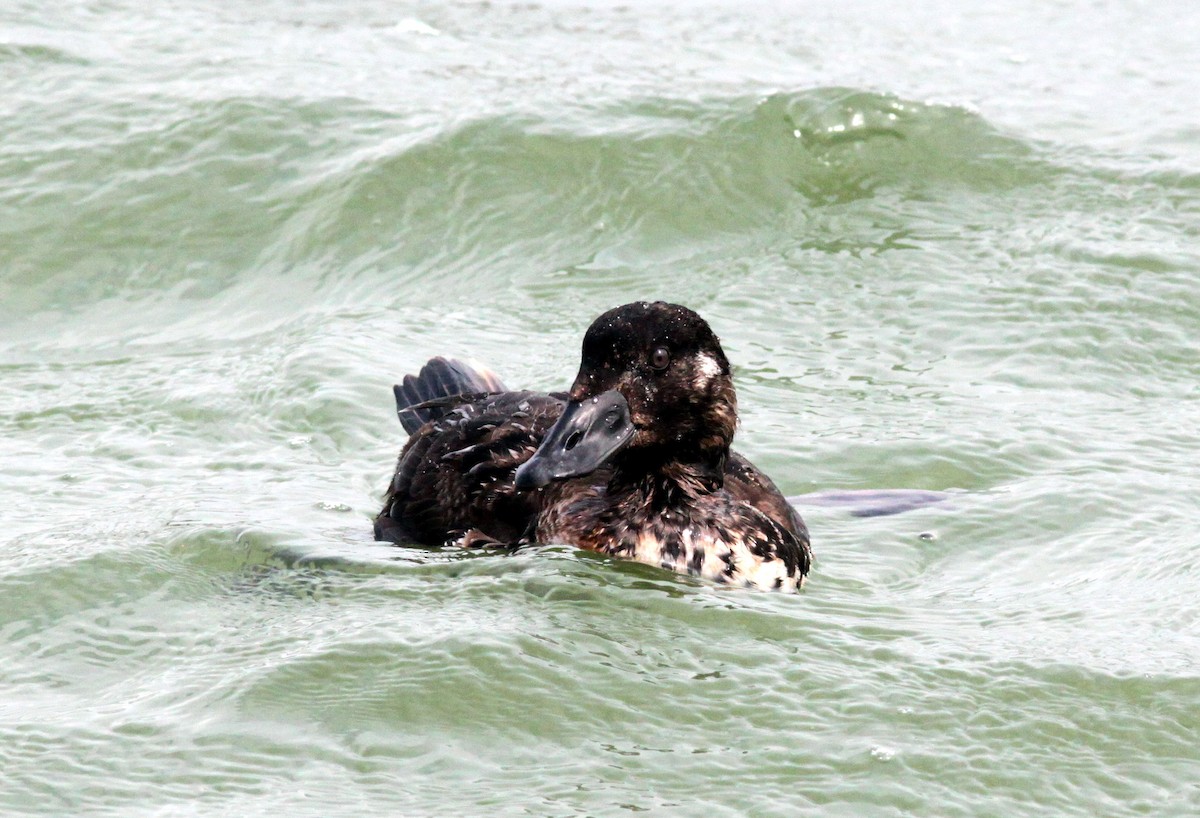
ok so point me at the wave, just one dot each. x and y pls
(667, 168)
(37, 54)
(189, 201)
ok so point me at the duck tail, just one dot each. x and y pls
(435, 389)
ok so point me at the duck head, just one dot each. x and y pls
(654, 386)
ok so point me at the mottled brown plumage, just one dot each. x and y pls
(633, 461)
(454, 476)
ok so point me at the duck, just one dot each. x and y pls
(633, 460)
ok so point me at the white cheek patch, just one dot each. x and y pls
(707, 369)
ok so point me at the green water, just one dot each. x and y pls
(952, 248)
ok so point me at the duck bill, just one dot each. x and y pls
(586, 436)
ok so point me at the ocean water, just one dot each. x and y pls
(953, 247)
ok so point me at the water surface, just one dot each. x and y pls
(951, 248)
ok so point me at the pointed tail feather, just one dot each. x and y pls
(421, 397)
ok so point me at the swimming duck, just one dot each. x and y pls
(633, 460)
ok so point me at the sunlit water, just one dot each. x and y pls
(950, 248)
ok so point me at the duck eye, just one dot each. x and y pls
(660, 358)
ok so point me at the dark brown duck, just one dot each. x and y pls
(633, 461)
